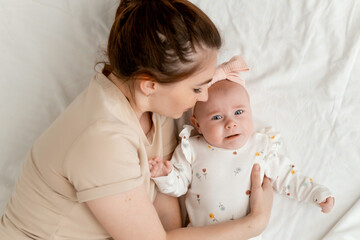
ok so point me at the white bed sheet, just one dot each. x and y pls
(304, 81)
(348, 226)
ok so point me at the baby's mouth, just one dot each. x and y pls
(233, 136)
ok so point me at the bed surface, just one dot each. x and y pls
(304, 81)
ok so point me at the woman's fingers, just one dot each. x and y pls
(267, 187)
(256, 193)
(268, 194)
(261, 197)
(255, 177)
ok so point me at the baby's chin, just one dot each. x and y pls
(231, 145)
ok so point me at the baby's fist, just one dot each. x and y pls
(327, 205)
(158, 167)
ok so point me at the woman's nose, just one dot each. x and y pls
(230, 124)
(203, 97)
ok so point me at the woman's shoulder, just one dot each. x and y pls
(104, 128)
(101, 140)
(106, 136)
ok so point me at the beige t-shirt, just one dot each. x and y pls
(96, 148)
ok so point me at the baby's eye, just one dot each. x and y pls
(238, 112)
(216, 117)
(197, 90)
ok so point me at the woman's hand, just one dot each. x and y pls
(261, 198)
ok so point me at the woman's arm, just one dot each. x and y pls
(131, 215)
(168, 210)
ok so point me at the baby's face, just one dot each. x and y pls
(225, 120)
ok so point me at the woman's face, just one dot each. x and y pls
(172, 100)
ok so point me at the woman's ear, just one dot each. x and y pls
(147, 85)
(195, 123)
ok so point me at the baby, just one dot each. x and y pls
(213, 169)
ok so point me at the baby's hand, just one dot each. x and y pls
(158, 167)
(327, 205)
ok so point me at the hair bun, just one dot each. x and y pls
(157, 38)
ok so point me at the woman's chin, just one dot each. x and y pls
(185, 113)
(174, 115)
(177, 116)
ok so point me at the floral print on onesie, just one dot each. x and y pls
(217, 181)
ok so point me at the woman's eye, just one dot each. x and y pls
(238, 112)
(197, 90)
(216, 117)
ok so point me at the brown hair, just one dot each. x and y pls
(157, 38)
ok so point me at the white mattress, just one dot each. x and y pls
(304, 81)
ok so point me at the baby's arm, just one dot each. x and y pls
(172, 178)
(289, 182)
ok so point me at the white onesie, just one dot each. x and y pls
(217, 181)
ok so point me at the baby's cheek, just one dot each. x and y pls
(213, 135)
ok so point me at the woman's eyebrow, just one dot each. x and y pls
(205, 82)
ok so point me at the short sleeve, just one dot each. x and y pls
(104, 161)
(274, 161)
(185, 143)
(168, 136)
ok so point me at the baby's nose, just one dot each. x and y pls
(230, 124)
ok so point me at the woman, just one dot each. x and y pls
(87, 176)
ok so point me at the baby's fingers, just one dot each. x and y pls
(327, 205)
(325, 208)
(154, 171)
(168, 166)
(152, 163)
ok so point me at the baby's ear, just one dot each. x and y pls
(195, 123)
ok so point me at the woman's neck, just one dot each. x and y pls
(144, 117)
(125, 89)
